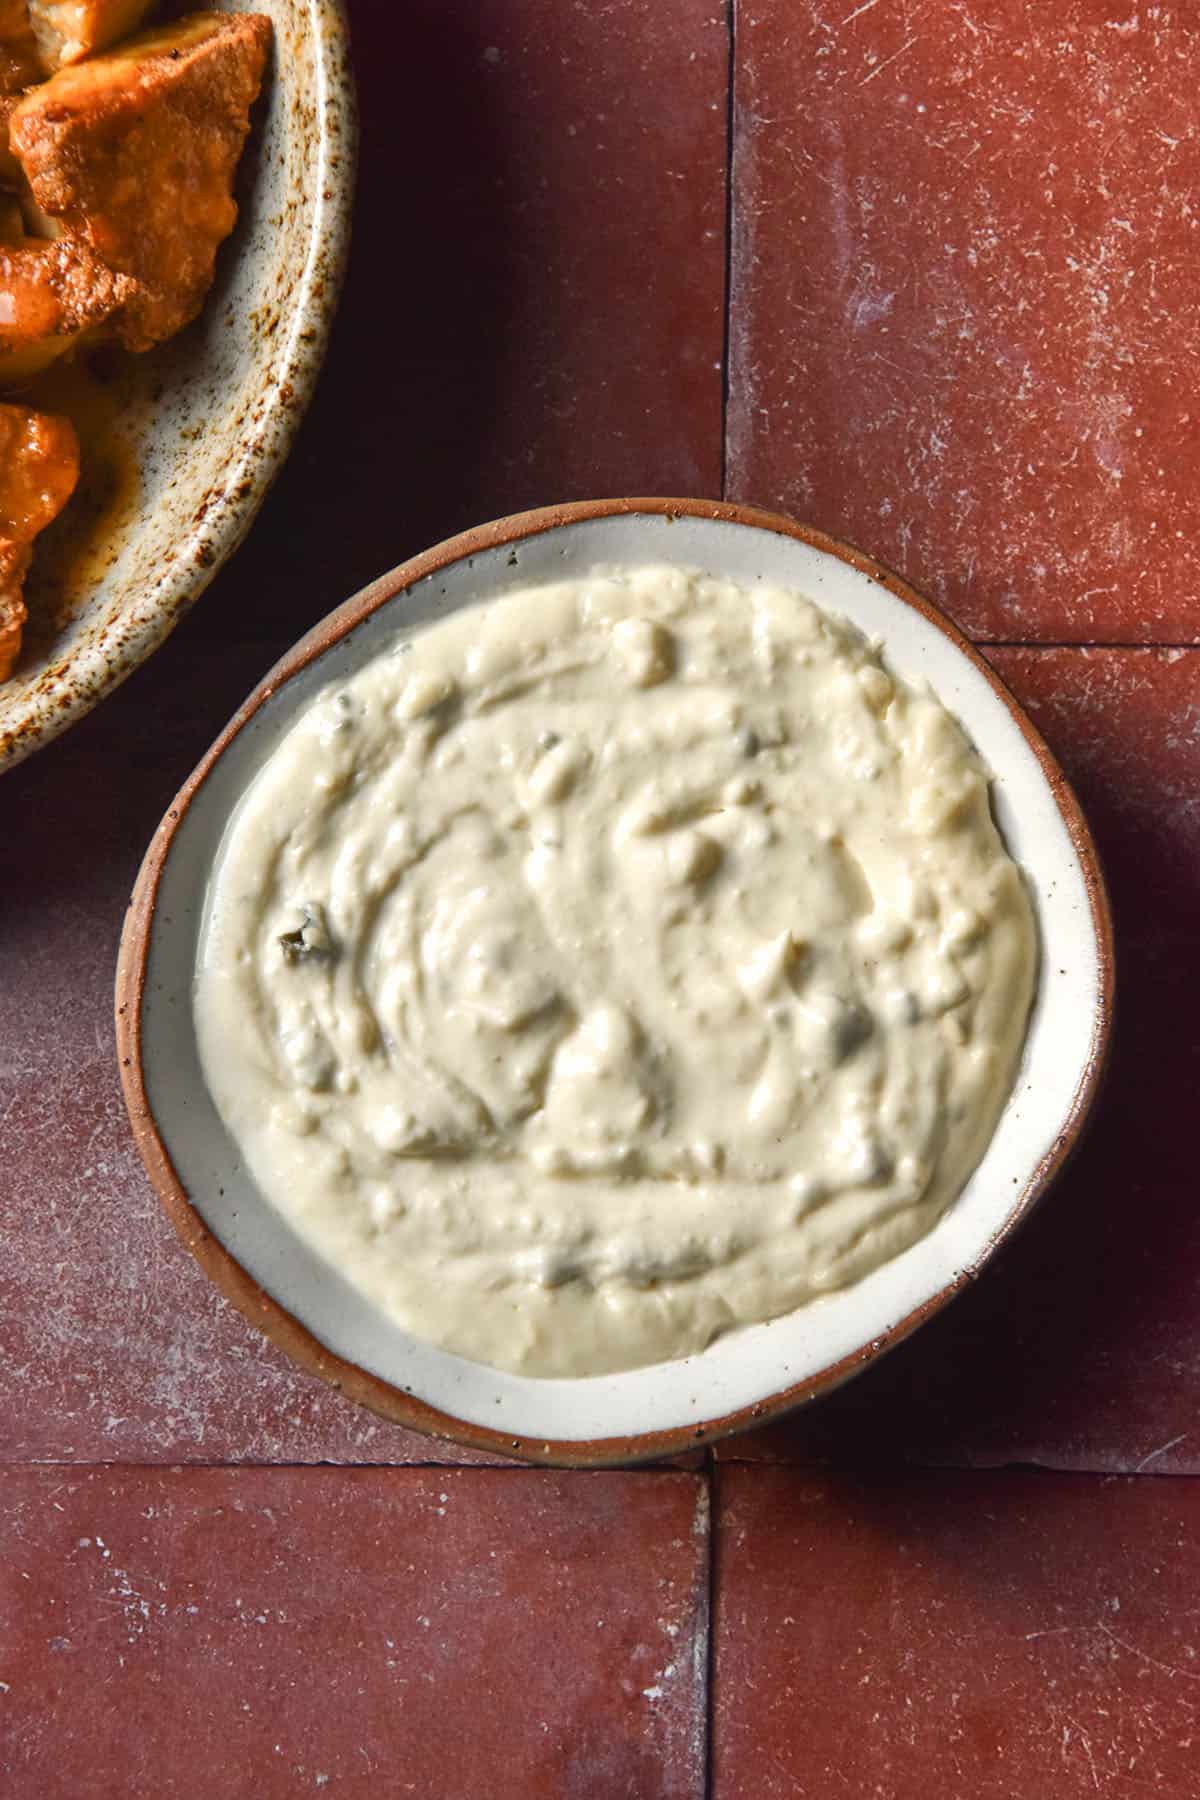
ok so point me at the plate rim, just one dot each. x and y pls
(384, 1397)
(223, 518)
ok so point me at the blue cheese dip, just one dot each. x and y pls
(612, 965)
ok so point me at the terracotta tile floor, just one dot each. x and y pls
(982, 1636)
(925, 273)
(966, 313)
(282, 1631)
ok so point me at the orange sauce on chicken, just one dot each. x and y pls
(92, 390)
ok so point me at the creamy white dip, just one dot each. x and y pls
(619, 962)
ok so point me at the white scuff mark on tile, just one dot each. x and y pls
(865, 308)
(858, 12)
(887, 62)
(1161, 1451)
(1168, 1669)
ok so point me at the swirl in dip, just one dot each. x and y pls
(613, 964)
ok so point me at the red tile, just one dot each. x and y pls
(535, 303)
(993, 1637)
(113, 1345)
(1080, 1347)
(500, 344)
(966, 300)
(283, 1632)
(1125, 724)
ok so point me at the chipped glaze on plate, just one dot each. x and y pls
(751, 1374)
(195, 431)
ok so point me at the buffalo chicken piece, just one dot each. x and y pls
(65, 30)
(133, 153)
(19, 67)
(19, 64)
(39, 466)
(53, 297)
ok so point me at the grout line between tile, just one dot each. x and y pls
(710, 1665)
(182, 1466)
(902, 1467)
(986, 644)
(707, 1472)
(731, 72)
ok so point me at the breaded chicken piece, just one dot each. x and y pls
(65, 30)
(134, 152)
(19, 68)
(39, 466)
(14, 565)
(52, 296)
(19, 62)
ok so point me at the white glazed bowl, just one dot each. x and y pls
(747, 1375)
(206, 420)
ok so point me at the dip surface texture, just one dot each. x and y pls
(620, 962)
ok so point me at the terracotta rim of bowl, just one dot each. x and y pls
(383, 1397)
(67, 691)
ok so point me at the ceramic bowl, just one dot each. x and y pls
(194, 432)
(748, 1375)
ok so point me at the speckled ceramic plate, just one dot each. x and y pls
(747, 1375)
(181, 445)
